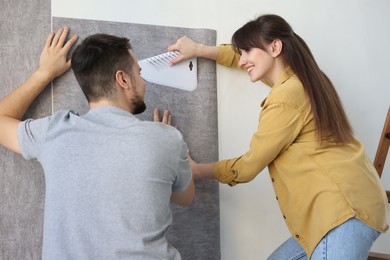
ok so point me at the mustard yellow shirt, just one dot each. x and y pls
(318, 187)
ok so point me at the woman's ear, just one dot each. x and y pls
(122, 79)
(276, 48)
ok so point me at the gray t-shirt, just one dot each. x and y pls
(109, 178)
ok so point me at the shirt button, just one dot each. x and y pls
(277, 198)
(284, 216)
(297, 236)
(272, 179)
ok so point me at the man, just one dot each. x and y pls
(109, 176)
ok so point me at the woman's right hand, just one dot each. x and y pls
(187, 47)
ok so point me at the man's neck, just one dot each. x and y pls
(103, 103)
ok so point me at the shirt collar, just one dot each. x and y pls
(286, 74)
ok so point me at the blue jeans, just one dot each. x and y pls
(351, 240)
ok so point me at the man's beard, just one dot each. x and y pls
(139, 105)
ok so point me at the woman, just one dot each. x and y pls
(329, 193)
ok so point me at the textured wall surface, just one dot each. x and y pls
(24, 27)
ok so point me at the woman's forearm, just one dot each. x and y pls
(203, 170)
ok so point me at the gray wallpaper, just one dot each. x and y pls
(24, 26)
(22, 37)
(195, 231)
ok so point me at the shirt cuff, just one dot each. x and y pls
(224, 173)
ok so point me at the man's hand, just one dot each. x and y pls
(166, 119)
(53, 61)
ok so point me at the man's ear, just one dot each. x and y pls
(276, 48)
(122, 79)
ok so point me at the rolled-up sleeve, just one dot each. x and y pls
(278, 126)
(227, 56)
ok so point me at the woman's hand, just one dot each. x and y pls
(187, 47)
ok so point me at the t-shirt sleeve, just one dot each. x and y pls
(30, 137)
(184, 172)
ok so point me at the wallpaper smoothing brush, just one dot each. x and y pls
(158, 70)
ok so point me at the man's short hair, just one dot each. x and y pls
(95, 62)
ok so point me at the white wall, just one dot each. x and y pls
(350, 40)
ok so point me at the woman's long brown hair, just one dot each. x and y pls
(330, 118)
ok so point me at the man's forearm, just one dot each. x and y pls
(17, 102)
(15, 105)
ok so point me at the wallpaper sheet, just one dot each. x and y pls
(22, 185)
(195, 230)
